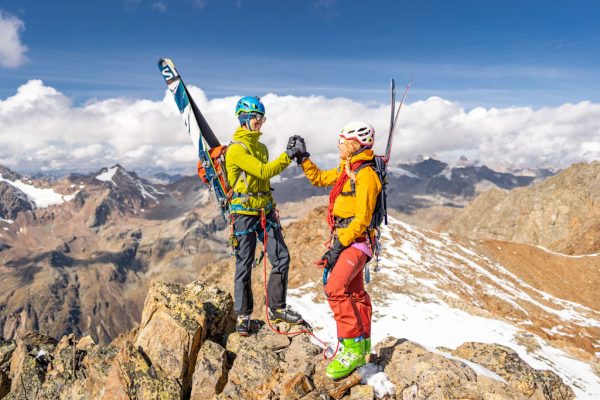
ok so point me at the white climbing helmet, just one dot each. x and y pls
(362, 132)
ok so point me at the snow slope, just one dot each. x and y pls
(429, 288)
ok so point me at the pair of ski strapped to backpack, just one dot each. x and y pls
(211, 155)
(379, 165)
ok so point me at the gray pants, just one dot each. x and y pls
(279, 258)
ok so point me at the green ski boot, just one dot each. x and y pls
(348, 358)
(367, 346)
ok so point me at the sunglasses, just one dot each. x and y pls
(259, 117)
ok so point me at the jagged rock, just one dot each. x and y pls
(132, 377)
(29, 364)
(7, 349)
(100, 215)
(256, 369)
(96, 366)
(176, 320)
(210, 374)
(329, 388)
(302, 355)
(507, 363)
(86, 343)
(362, 392)
(423, 374)
(264, 338)
(13, 201)
(9, 174)
(295, 386)
(63, 371)
(4, 383)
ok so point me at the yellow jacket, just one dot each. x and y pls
(249, 168)
(360, 206)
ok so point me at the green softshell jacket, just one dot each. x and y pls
(258, 172)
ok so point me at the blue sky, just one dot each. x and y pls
(508, 83)
(488, 53)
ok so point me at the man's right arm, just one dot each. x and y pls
(239, 156)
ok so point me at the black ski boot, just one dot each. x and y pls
(242, 326)
(286, 314)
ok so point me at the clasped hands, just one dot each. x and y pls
(296, 149)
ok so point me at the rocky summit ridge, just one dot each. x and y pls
(185, 348)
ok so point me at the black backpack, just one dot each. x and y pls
(380, 211)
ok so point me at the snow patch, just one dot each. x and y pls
(372, 375)
(108, 175)
(41, 197)
(567, 255)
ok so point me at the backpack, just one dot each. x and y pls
(380, 212)
(212, 171)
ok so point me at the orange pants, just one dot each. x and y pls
(345, 291)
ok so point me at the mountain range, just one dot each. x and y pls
(81, 256)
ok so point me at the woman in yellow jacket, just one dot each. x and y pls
(352, 202)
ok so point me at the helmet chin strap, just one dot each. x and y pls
(363, 148)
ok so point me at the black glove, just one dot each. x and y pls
(295, 147)
(327, 262)
(305, 154)
(331, 256)
(291, 142)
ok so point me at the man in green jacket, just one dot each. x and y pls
(249, 172)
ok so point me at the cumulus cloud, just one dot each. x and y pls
(12, 50)
(40, 128)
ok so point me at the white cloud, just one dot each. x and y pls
(159, 6)
(12, 50)
(40, 128)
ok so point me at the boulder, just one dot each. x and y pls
(334, 389)
(175, 322)
(506, 362)
(294, 386)
(7, 348)
(210, 374)
(96, 366)
(63, 371)
(132, 377)
(256, 369)
(29, 364)
(302, 356)
(421, 374)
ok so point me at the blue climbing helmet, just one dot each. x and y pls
(247, 108)
(250, 104)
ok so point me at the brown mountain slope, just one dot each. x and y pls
(561, 213)
(573, 278)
